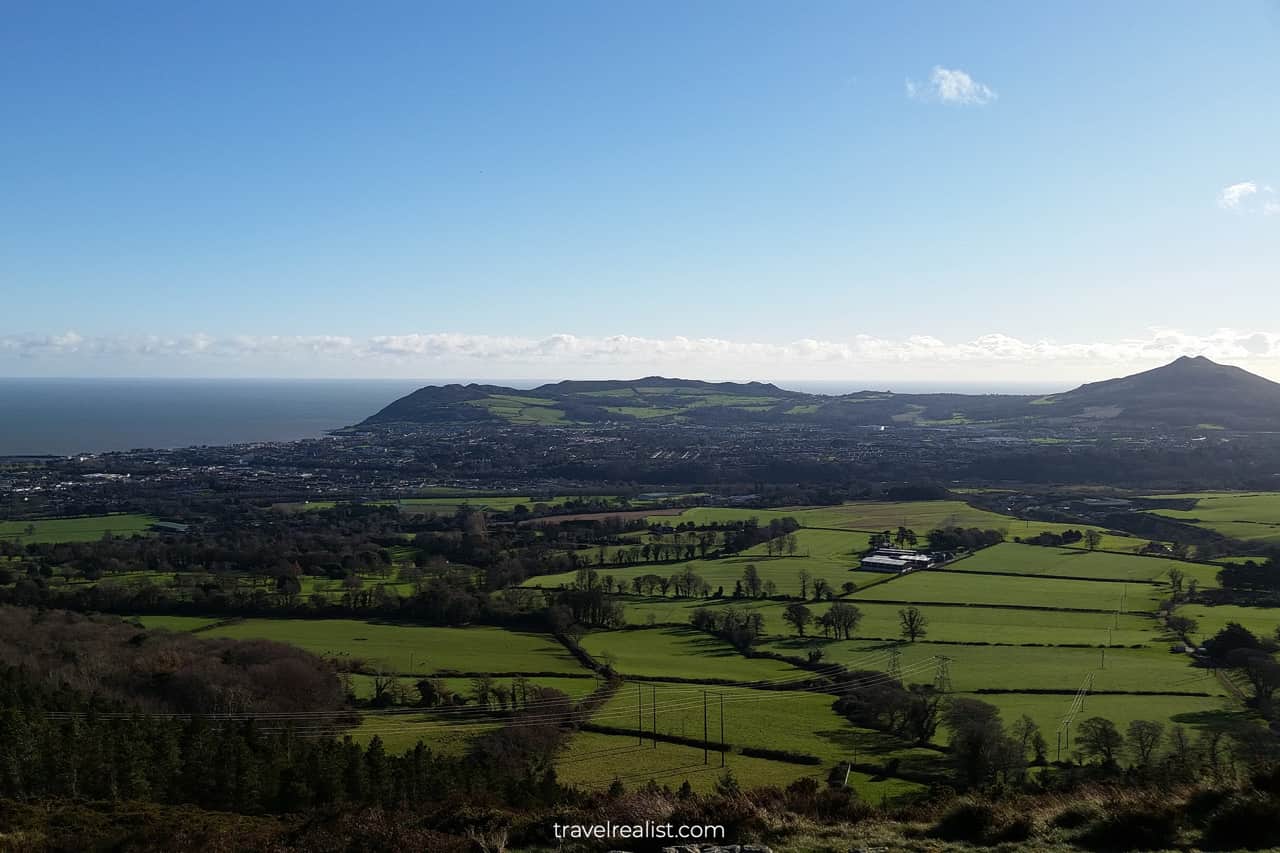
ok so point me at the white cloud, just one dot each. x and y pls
(1231, 197)
(455, 354)
(951, 86)
(1250, 198)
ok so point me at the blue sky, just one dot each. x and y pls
(726, 190)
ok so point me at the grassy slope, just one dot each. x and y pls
(1048, 711)
(85, 529)
(682, 653)
(823, 553)
(177, 623)
(1263, 621)
(1013, 558)
(1240, 515)
(948, 624)
(478, 649)
(920, 516)
(1031, 668)
(941, 586)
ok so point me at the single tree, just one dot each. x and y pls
(913, 623)
(797, 616)
(844, 619)
(1098, 737)
(1144, 738)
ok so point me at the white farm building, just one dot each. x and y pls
(897, 560)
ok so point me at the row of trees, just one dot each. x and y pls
(839, 622)
(739, 626)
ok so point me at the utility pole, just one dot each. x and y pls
(639, 715)
(1059, 744)
(1104, 657)
(705, 759)
(723, 749)
(895, 663)
(654, 704)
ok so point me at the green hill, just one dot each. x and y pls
(1189, 393)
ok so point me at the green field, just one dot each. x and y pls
(309, 584)
(823, 553)
(1194, 712)
(440, 731)
(1029, 668)
(521, 410)
(1018, 559)
(594, 760)
(413, 648)
(177, 623)
(83, 529)
(681, 653)
(1011, 618)
(574, 688)
(929, 587)
(947, 624)
(1263, 621)
(874, 516)
(451, 503)
(445, 730)
(1250, 516)
(792, 721)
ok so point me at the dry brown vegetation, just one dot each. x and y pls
(162, 671)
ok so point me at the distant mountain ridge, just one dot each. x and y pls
(1190, 392)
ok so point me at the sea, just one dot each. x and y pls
(65, 417)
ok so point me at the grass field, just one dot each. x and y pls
(1052, 632)
(439, 731)
(310, 584)
(946, 624)
(681, 653)
(594, 760)
(574, 688)
(1029, 668)
(1018, 559)
(413, 648)
(177, 623)
(451, 503)
(84, 529)
(793, 721)
(823, 553)
(1250, 516)
(941, 586)
(1263, 621)
(920, 516)
(1194, 712)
